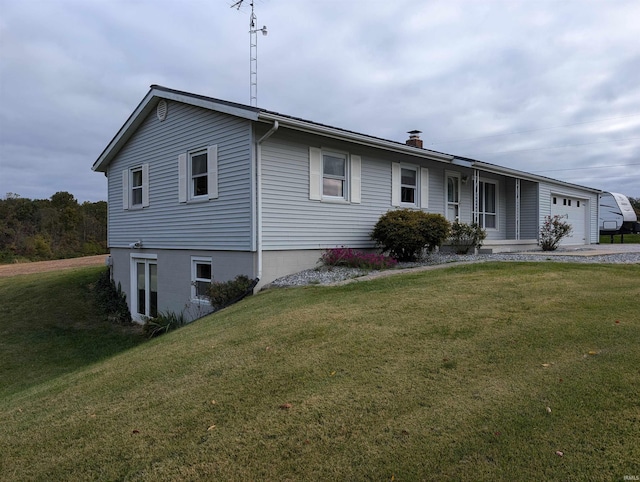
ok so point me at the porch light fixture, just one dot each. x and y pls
(465, 179)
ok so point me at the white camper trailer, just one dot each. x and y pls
(617, 215)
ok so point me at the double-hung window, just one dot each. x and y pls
(487, 209)
(135, 187)
(200, 278)
(198, 174)
(334, 174)
(409, 186)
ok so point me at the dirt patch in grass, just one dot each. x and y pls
(7, 270)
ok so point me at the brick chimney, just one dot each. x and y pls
(414, 139)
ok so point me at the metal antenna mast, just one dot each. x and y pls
(253, 52)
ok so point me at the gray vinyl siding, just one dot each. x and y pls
(224, 223)
(528, 210)
(548, 188)
(290, 220)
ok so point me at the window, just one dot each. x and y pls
(334, 174)
(198, 174)
(487, 205)
(408, 185)
(135, 187)
(200, 278)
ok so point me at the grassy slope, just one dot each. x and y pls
(435, 376)
(49, 327)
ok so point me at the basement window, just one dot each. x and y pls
(201, 277)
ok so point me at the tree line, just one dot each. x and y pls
(55, 228)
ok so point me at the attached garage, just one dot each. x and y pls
(575, 211)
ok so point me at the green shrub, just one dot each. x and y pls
(552, 231)
(406, 233)
(111, 300)
(225, 293)
(466, 236)
(165, 322)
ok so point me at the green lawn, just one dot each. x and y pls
(50, 327)
(493, 371)
(628, 238)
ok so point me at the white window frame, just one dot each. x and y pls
(482, 212)
(185, 175)
(203, 175)
(148, 259)
(136, 189)
(195, 261)
(128, 187)
(344, 178)
(351, 191)
(421, 194)
(409, 186)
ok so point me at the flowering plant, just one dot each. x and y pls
(356, 259)
(552, 231)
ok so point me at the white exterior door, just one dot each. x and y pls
(575, 212)
(144, 287)
(453, 196)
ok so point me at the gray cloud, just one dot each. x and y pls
(538, 86)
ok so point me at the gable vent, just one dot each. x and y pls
(161, 110)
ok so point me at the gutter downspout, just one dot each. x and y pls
(271, 131)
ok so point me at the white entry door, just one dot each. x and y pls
(144, 287)
(453, 196)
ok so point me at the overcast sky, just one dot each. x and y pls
(545, 86)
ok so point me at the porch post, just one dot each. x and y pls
(517, 208)
(476, 196)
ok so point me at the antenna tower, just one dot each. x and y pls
(253, 52)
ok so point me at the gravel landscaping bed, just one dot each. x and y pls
(331, 275)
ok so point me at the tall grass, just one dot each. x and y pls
(483, 372)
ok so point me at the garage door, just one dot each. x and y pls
(575, 212)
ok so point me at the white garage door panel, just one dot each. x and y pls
(575, 211)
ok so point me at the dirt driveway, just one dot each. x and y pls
(7, 270)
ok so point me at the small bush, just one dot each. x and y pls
(356, 259)
(225, 293)
(466, 236)
(111, 300)
(165, 322)
(406, 233)
(552, 231)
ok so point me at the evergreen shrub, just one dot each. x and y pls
(406, 233)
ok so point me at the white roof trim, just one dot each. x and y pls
(505, 171)
(148, 104)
